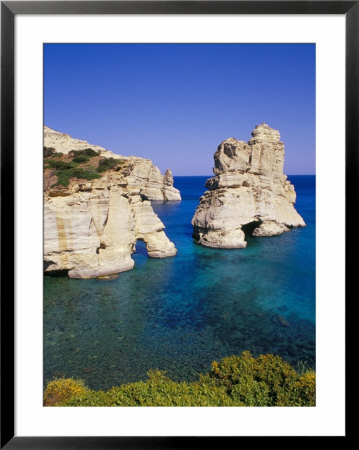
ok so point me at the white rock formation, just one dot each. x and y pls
(91, 227)
(248, 194)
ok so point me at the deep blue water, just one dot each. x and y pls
(179, 314)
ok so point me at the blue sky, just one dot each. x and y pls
(175, 103)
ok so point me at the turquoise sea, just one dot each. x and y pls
(179, 314)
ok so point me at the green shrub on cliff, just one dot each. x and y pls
(63, 176)
(48, 151)
(106, 164)
(70, 169)
(66, 169)
(59, 164)
(81, 159)
(234, 381)
(85, 152)
(51, 152)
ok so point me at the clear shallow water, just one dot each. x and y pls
(179, 314)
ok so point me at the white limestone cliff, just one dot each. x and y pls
(248, 194)
(91, 227)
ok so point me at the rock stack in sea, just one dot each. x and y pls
(248, 194)
(91, 225)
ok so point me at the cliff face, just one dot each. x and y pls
(140, 172)
(91, 224)
(248, 194)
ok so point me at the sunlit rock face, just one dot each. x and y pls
(248, 194)
(91, 227)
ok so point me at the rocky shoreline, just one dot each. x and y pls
(92, 224)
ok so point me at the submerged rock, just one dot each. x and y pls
(280, 320)
(248, 194)
(108, 277)
(91, 226)
(87, 370)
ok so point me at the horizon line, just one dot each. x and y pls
(289, 175)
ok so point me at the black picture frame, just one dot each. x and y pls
(9, 9)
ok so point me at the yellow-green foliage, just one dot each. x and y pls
(234, 381)
(62, 389)
(305, 389)
(264, 381)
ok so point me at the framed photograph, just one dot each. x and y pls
(175, 179)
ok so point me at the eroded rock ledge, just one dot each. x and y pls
(91, 226)
(249, 193)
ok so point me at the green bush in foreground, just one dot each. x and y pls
(234, 381)
(62, 389)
